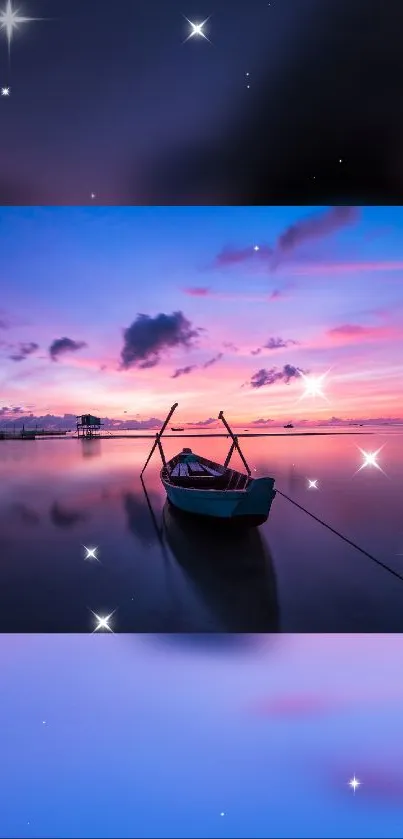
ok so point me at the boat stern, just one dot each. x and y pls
(257, 501)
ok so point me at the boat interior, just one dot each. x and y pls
(201, 473)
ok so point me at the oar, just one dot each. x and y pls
(158, 437)
(235, 441)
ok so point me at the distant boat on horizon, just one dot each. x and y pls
(176, 428)
(289, 425)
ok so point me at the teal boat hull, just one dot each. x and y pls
(248, 506)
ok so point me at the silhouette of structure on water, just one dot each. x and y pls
(89, 425)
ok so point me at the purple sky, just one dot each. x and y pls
(122, 311)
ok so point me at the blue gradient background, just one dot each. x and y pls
(156, 736)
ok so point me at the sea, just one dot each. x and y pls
(150, 572)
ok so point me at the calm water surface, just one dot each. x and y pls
(160, 573)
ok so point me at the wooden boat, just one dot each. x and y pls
(200, 486)
(289, 425)
(173, 428)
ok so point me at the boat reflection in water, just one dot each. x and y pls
(231, 566)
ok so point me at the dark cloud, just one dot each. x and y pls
(308, 228)
(270, 377)
(60, 346)
(23, 351)
(260, 422)
(147, 338)
(274, 344)
(315, 227)
(183, 371)
(213, 360)
(228, 345)
(278, 343)
(235, 256)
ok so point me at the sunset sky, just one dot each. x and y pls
(122, 311)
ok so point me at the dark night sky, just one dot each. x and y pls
(106, 98)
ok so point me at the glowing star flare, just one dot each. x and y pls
(196, 30)
(91, 553)
(103, 623)
(313, 385)
(370, 459)
(5, 91)
(354, 783)
(313, 484)
(10, 20)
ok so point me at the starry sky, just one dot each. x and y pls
(114, 103)
(123, 311)
(145, 736)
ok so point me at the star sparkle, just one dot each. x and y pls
(10, 20)
(103, 622)
(91, 553)
(5, 91)
(313, 385)
(370, 459)
(313, 484)
(196, 29)
(354, 783)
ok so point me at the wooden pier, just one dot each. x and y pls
(29, 433)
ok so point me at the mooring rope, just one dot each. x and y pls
(345, 539)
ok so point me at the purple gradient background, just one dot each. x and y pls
(156, 736)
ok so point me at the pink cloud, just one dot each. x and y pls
(383, 784)
(197, 291)
(218, 295)
(347, 267)
(297, 705)
(356, 332)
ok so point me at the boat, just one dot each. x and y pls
(289, 425)
(197, 485)
(173, 428)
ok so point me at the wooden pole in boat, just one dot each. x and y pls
(158, 439)
(234, 441)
